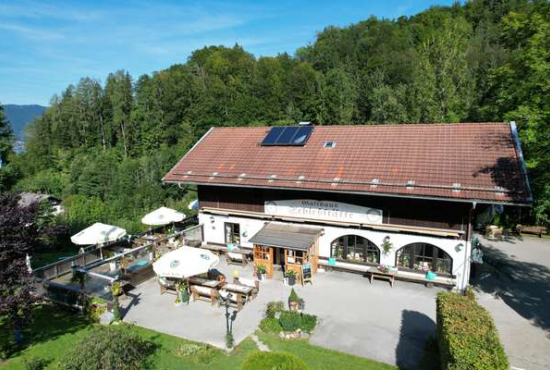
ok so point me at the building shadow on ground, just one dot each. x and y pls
(416, 329)
(523, 286)
(134, 300)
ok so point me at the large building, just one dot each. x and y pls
(353, 197)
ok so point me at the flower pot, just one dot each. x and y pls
(263, 277)
(184, 296)
(285, 281)
(112, 266)
(291, 280)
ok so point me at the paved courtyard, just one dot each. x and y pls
(374, 321)
(514, 285)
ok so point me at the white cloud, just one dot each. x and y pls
(35, 34)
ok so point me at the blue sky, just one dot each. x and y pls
(46, 45)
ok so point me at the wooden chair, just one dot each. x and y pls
(204, 293)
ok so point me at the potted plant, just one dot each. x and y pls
(261, 271)
(290, 277)
(183, 292)
(293, 300)
(116, 291)
(387, 245)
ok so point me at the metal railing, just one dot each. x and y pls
(59, 268)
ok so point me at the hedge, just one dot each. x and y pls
(467, 336)
(273, 360)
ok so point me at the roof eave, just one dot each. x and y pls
(391, 195)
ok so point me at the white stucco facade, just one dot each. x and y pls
(458, 250)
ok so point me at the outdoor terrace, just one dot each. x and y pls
(368, 320)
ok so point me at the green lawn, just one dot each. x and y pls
(55, 330)
(318, 357)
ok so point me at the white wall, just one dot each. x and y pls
(214, 233)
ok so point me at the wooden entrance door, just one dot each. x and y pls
(263, 256)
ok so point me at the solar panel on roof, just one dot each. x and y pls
(273, 135)
(302, 135)
(288, 135)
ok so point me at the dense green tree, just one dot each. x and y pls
(485, 60)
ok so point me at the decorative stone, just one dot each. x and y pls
(106, 318)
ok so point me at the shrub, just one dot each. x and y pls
(35, 363)
(198, 352)
(293, 296)
(229, 340)
(290, 320)
(273, 308)
(467, 336)
(308, 323)
(190, 349)
(108, 348)
(273, 360)
(270, 325)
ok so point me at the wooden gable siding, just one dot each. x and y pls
(397, 211)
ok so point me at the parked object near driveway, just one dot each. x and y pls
(535, 230)
(493, 232)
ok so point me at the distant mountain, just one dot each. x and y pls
(21, 115)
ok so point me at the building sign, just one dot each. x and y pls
(323, 210)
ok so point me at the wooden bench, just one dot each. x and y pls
(374, 272)
(204, 293)
(535, 230)
(236, 258)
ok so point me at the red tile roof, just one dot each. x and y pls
(466, 161)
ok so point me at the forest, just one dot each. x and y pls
(103, 146)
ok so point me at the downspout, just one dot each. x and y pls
(466, 270)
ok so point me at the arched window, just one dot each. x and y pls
(355, 248)
(424, 257)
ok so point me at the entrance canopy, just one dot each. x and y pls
(162, 216)
(287, 236)
(98, 233)
(185, 262)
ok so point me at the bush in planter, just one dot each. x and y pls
(261, 270)
(293, 300)
(183, 293)
(290, 320)
(467, 335)
(270, 325)
(273, 308)
(291, 276)
(273, 360)
(308, 323)
(111, 347)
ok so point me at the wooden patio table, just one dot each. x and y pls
(374, 272)
(204, 282)
(241, 291)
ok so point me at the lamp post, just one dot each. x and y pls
(229, 319)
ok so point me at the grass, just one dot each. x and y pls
(54, 331)
(317, 357)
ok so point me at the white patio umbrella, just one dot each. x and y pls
(162, 216)
(185, 262)
(98, 233)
